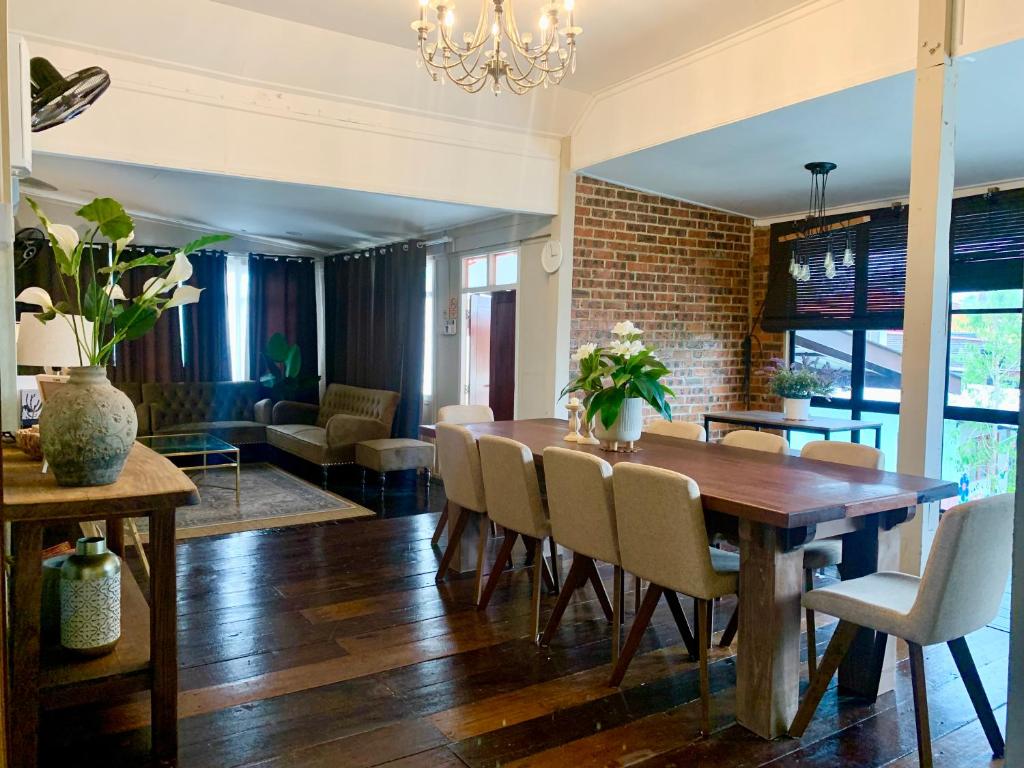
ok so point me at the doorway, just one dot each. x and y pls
(489, 349)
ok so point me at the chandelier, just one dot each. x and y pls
(497, 52)
(812, 230)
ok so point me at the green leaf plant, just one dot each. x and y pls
(284, 364)
(107, 315)
(608, 376)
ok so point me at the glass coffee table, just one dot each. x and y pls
(198, 444)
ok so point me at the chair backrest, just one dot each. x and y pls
(511, 486)
(464, 414)
(854, 454)
(581, 503)
(379, 404)
(661, 530)
(684, 430)
(756, 441)
(459, 457)
(967, 570)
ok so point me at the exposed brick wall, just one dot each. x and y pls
(681, 272)
(766, 345)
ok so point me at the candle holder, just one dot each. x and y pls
(574, 407)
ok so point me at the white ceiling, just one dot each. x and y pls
(755, 167)
(325, 218)
(621, 38)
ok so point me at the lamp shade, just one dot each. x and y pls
(51, 345)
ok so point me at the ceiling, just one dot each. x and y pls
(621, 38)
(321, 217)
(755, 167)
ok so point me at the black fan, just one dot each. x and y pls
(57, 99)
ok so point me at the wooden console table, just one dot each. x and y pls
(759, 420)
(146, 658)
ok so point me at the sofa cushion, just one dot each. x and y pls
(131, 388)
(192, 402)
(394, 455)
(308, 442)
(379, 404)
(234, 432)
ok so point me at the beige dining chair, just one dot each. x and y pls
(683, 430)
(459, 457)
(959, 593)
(756, 441)
(582, 510)
(663, 540)
(457, 414)
(828, 552)
(515, 503)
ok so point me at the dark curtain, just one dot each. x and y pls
(503, 355)
(157, 355)
(207, 345)
(282, 299)
(374, 317)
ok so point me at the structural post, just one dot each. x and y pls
(926, 309)
(563, 229)
(1015, 704)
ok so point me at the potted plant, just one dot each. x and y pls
(616, 381)
(88, 427)
(797, 384)
(284, 364)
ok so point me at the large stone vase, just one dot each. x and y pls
(627, 427)
(87, 427)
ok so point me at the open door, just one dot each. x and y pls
(503, 355)
(478, 380)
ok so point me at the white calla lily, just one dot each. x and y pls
(37, 296)
(154, 286)
(114, 292)
(583, 351)
(625, 328)
(185, 294)
(66, 237)
(181, 270)
(120, 245)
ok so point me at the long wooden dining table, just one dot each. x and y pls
(771, 505)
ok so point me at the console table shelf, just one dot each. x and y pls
(146, 657)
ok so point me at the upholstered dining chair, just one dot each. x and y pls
(756, 441)
(827, 552)
(662, 539)
(684, 430)
(515, 503)
(960, 592)
(459, 458)
(582, 510)
(457, 414)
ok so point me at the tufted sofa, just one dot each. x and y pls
(327, 434)
(227, 409)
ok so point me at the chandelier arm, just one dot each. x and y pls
(442, 69)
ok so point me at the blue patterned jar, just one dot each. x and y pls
(90, 599)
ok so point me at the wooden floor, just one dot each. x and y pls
(331, 646)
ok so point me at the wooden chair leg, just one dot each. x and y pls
(636, 633)
(638, 593)
(710, 611)
(492, 580)
(618, 602)
(924, 731)
(679, 616)
(731, 628)
(481, 549)
(704, 616)
(439, 528)
(553, 546)
(454, 536)
(837, 648)
(577, 576)
(812, 634)
(539, 569)
(878, 661)
(972, 681)
(602, 594)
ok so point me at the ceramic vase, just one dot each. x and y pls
(797, 409)
(90, 599)
(87, 428)
(627, 427)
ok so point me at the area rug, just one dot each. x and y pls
(270, 498)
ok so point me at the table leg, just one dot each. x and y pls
(115, 535)
(878, 438)
(238, 477)
(164, 635)
(866, 551)
(26, 594)
(464, 558)
(768, 660)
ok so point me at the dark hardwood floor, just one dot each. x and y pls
(331, 646)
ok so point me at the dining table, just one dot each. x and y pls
(770, 505)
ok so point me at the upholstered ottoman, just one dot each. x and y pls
(392, 455)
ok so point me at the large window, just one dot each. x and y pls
(428, 334)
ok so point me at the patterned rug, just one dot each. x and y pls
(270, 498)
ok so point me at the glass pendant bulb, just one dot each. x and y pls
(830, 265)
(848, 257)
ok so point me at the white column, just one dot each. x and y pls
(1015, 704)
(563, 229)
(925, 314)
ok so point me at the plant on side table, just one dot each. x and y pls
(798, 383)
(88, 427)
(616, 381)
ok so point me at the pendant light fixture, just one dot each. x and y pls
(812, 229)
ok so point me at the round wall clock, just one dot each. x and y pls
(551, 256)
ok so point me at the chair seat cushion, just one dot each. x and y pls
(724, 561)
(880, 601)
(823, 553)
(308, 442)
(234, 432)
(392, 455)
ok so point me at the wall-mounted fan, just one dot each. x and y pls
(27, 243)
(57, 99)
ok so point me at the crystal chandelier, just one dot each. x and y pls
(814, 227)
(497, 52)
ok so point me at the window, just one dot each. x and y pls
(428, 334)
(490, 270)
(238, 315)
(475, 272)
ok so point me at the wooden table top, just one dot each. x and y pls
(148, 482)
(779, 421)
(783, 491)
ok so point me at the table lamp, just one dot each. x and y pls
(50, 345)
